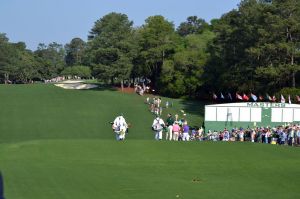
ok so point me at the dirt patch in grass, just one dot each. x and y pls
(126, 90)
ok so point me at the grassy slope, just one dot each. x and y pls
(45, 111)
(146, 169)
(57, 143)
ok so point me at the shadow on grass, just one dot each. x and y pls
(102, 87)
(194, 108)
(1, 187)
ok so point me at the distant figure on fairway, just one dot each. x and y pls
(157, 126)
(1, 187)
(120, 127)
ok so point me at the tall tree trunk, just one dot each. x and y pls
(154, 76)
(77, 57)
(294, 79)
(6, 78)
(122, 85)
(293, 73)
(290, 39)
(130, 81)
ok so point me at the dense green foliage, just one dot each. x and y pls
(79, 71)
(193, 25)
(51, 59)
(254, 48)
(16, 62)
(292, 92)
(111, 47)
(75, 52)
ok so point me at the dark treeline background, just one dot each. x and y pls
(255, 48)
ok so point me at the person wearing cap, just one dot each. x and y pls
(185, 132)
(158, 125)
(170, 122)
(120, 127)
(176, 130)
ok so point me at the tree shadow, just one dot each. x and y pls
(194, 108)
(102, 87)
(1, 187)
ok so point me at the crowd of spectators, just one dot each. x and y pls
(282, 135)
(176, 129)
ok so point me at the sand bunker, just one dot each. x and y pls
(70, 84)
(71, 81)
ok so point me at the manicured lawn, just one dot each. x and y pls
(147, 169)
(30, 112)
(57, 143)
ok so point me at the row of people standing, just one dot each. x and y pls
(174, 129)
(281, 135)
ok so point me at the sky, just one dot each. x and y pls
(46, 21)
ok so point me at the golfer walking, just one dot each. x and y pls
(120, 127)
(157, 126)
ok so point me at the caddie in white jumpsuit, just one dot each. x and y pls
(157, 126)
(120, 127)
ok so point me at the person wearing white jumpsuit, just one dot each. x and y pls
(157, 126)
(120, 127)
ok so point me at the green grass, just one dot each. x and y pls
(30, 112)
(57, 143)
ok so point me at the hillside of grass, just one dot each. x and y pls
(57, 143)
(32, 112)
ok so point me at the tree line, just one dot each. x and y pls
(254, 48)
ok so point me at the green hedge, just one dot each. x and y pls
(293, 92)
